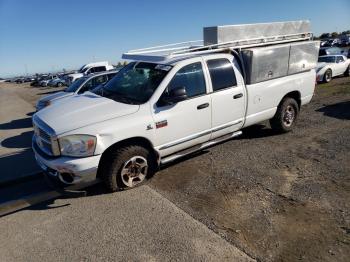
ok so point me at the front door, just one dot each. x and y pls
(188, 122)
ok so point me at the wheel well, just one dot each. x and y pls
(141, 141)
(295, 95)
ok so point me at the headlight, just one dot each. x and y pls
(77, 145)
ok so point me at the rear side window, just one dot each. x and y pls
(99, 69)
(192, 78)
(221, 74)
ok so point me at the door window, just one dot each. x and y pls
(221, 74)
(192, 78)
(88, 85)
(110, 76)
(340, 59)
(99, 80)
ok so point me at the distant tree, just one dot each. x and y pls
(335, 34)
(125, 63)
(324, 35)
(119, 64)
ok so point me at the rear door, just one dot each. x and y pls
(228, 95)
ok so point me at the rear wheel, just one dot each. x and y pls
(128, 167)
(59, 84)
(327, 76)
(286, 116)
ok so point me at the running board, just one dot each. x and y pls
(193, 149)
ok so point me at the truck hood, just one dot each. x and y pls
(56, 96)
(76, 75)
(82, 110)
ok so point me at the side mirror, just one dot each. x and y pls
(175, 95)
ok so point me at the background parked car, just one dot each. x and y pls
(330, 66)
(20, 80)
(46, 80)
(37, 80)
(29, 79)
(57, 82)
(79, 86)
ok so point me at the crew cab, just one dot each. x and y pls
(330, 66)
(80, 86)
(158, 109)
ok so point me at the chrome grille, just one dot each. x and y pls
(46, 142)
(44, 135)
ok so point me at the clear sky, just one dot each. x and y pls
(42, 36)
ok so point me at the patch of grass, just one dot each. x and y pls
(337, 86)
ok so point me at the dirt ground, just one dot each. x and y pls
(29, 93)
(277, 197)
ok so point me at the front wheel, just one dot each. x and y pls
(59, 84)
(347, 72)
(286, 116)
(128, 167)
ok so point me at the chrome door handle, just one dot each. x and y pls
(237, 96)
(202, 106)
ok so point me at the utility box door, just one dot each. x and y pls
(266, 63)
(303, 56)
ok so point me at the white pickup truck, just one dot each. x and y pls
(152, 112)
(90, 68)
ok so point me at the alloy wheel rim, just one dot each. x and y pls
(134, 171)
(289, 116)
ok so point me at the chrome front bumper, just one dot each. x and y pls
(68, 170)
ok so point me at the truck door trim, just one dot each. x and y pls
(195, 136)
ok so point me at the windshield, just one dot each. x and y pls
(327, 59)
(82, 69)
(135, 83)
(75, 85)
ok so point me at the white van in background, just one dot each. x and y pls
(89, 69)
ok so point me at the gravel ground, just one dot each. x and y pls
(277, 197)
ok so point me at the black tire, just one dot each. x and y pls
(59, 84)
(347, 72)
(327, 77)
(286, 116)
(116, 161)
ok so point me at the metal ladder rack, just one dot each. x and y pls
(191, 48)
